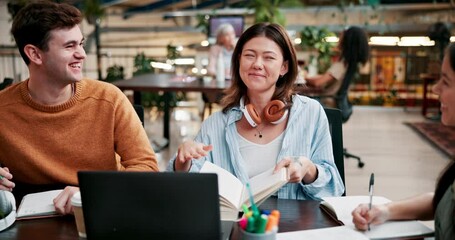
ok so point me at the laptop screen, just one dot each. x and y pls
(149, 205)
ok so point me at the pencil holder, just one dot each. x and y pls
(244, 235)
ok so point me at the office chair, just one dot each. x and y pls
(336, 132)
(6, 82)
(342, 103)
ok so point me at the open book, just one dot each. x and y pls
(233, 193)
(340, 208)
(37, 205)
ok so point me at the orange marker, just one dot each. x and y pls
(276, 213)
(271, 223)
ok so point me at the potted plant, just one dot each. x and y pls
(314, 40)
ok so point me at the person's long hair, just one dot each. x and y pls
(448, 177)
(354, 46)
(354, 50)
(284, 85)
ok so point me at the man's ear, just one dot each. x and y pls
(33, 53)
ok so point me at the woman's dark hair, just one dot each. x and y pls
(33, 23)
(448, 177)
(284, 85)
(354, 46)
(354, 50)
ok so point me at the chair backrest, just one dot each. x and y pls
(342, 100)
(140, 112)
(336, 131)
(6, 82)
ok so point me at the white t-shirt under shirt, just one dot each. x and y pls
(260, 157)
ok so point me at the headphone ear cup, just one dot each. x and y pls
(275, 111)
(253, 115)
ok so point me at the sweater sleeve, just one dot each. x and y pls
(130, 139)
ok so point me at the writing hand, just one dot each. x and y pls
(62, 202)
(5, 179)
(361, 215)
(189, 150)
(299, 169)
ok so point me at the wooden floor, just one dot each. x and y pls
(404, 163)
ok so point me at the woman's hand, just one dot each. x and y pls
(362, 215)
(300, 169)
(5, 179)
(62, 202)
(187, 151)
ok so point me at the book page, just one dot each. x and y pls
(265, 184)
(229, 187)
(333, 233)
(38, 204)
(343, 207)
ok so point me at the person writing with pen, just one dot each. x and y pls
(56, 123)
(264, 125)
(438, 205)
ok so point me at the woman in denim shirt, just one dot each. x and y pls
(264, 125)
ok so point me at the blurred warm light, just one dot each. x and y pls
(184, 61)
(160, 65)
(384, 41)
(179, 48)
(415, 41)
(297, 40)
(332, 39)
(452, 39)
(203, 71)
(205, 43)
(194, 70)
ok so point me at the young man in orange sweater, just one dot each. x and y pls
(57, 123)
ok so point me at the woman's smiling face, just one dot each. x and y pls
(261, 64)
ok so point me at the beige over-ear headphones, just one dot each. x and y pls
(275, 112)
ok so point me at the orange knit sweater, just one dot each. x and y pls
(49, 144)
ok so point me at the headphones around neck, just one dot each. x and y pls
(275, 112)
(7, 209)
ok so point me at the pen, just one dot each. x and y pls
(371, 194)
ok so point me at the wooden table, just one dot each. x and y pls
(168, 83)
(295, 215)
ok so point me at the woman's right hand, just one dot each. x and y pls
(362, 215)
(187, 151)
(5, 179)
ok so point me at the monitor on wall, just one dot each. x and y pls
(236, 21)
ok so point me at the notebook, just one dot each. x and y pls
(145, 205)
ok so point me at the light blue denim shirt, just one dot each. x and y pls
(307, 134)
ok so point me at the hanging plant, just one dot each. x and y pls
(269, 10)
(92, 10)
(203, 23)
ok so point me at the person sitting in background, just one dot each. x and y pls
(263, 125)
(354, 50)
(439, 205)
(225, 43)
(56, 123)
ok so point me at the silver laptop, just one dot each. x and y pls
(145, 205)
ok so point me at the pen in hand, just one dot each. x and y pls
(371, 194)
